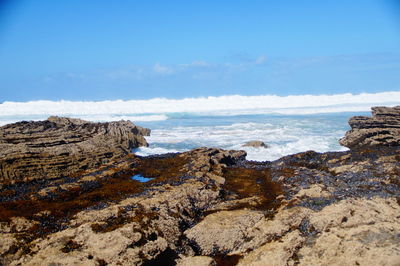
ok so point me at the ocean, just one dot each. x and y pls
(288, 124)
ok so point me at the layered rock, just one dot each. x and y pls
(106, 217)
(210, 206)
(62, 146)
(382, 129)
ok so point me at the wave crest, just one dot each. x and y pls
(292, 104)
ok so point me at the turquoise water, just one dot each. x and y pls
(287, 124)
(284, 134)
(141, 178)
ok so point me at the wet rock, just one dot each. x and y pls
(210, 206)
(63, 146)
(140, 222)
(255, 144)
(382, 129)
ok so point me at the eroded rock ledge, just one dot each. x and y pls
(62, 146)
(382, 129)
(211, 207)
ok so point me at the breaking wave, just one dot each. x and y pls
(222, 105)
(184, 124)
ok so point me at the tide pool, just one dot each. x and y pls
(141, 178)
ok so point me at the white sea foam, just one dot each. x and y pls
(293, 104)
(286, 134)
(283, 137)
(134, 118)
(145, 151)
(94, 118)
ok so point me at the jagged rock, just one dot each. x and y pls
(255, 144)
(350, 232)
(63, 146)
(136, 228)
(211, 206)
(223, 231)
(382, 129)
(187, 213)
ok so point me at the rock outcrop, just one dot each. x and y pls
(382, 129)
(255, 144)
(62, 146)
(210, 206)
(106, 217)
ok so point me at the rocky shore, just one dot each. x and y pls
(68, 198)
(62, 146)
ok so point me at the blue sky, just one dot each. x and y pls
(96, 50)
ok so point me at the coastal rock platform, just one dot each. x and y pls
(61, 146)
(382, 129)
(210, 206)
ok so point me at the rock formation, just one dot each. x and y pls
(210, 206)
(382, 129)
(255, 144)
(62, 146)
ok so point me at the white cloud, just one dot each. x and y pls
(163, 70)
(261, 59)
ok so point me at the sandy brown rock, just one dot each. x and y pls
(275, 253)
(191, 213)
(197, 260)
(223, 231)
(351, 232)
(382, 129)
(63, 146)
(323, 210)
(255, 144)
(210, 206)
(138, 228)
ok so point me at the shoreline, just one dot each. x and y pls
(206, 206)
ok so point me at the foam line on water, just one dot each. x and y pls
(93, 118)
(145, 151)
(292, 104)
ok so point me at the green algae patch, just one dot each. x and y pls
(250, 182)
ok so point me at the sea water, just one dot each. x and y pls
(141, 178)
(287, 125)
(283, 134)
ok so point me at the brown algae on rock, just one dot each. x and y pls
(250, 182)
(212, 206)
(61, 205)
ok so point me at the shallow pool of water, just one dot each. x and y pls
(141, 178)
